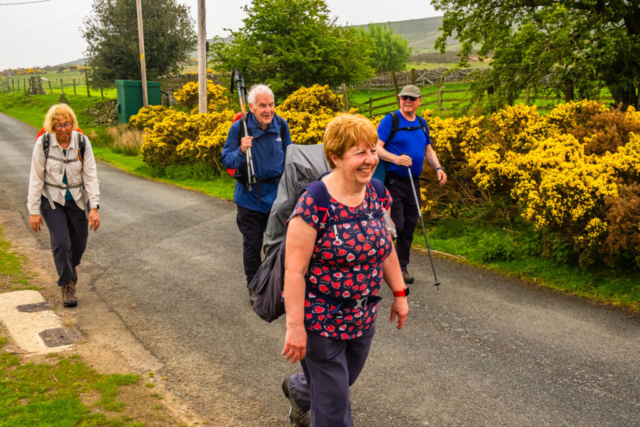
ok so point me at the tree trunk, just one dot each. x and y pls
(568, 90)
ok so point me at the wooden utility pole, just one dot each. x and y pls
(143, 65)
(202, 57)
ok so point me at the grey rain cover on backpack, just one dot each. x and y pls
(302, 165)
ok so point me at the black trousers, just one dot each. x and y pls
(404, 213)
(252, 224)
(68, 229)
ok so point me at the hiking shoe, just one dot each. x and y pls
(407, 277)
(75, 276)
(298, 417)
(69, 295)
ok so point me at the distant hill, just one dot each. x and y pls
(421, 33)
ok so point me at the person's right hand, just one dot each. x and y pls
(36, 222)
(403, 160)
(295, 344)
(245, 143)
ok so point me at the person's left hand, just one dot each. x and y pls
(94, 219)
(400, 307)
(442, 177)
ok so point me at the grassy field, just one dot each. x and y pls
(453, 103)
(462, 237)
(58, 80)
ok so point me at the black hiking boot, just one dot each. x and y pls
(69, 295)
(407, 277)
(298, 417)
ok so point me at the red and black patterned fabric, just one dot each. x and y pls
(347, 267)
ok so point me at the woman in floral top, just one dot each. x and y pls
(336, 260)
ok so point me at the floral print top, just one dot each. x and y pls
(349, 267)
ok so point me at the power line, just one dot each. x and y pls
(51, 25)
(26, 2)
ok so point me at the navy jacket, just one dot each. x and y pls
(268, 161)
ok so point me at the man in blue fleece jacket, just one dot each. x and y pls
(268, 139)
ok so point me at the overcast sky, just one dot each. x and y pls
(48, 33)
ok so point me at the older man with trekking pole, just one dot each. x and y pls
(403, 144)
(255, 148)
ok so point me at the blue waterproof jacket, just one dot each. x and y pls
(268, 161)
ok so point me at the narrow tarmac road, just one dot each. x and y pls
(484, 350)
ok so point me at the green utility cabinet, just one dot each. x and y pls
(130, 97)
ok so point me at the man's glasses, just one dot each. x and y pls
(408, 98)
(62, 125)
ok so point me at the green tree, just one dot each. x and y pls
(111, 32)
(293, 43)
(574, 46)
(392, 50)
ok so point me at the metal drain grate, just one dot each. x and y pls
(32, 308)
(60, 336)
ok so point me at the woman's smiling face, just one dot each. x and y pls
(358, 163)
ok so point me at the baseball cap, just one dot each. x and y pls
(410, 90)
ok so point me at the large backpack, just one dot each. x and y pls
(46, 143)
(268, 282)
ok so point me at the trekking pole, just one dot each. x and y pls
(424, 230)
(242, 93)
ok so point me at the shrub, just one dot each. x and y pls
(189, 95)
(148, 116)
(497, 248)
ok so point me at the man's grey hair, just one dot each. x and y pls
(258, 90)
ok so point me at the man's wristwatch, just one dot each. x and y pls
(402, 293)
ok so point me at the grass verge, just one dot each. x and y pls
(12, 276)
(508, 252)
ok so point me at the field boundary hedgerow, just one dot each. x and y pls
(507, 248)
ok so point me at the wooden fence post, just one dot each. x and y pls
(13, 85)
(371, 107)
(440, 96)
(101, 92)
(395, 86)
(413, 76)
(527, 96)
(50, 87)
(18, 85)
(344, 98)
(74, 86)
(62, 86)
(86, 80)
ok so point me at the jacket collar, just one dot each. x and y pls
(257, 131)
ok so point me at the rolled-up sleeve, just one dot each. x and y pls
(36, 179)
(90, 176)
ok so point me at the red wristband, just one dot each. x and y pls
(402, 293)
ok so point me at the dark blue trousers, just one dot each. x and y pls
(330, 367)
(252, 224)
(69, 229)
(404, 213)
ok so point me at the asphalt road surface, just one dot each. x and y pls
(484, 350)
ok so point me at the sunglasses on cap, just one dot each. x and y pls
(408, 98)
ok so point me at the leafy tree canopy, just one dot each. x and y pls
(571, 45)
(111, 31)
(392, 50)
(293, 43)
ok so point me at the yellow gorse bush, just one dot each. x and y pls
(188, 96)
(308, 111)
(148, 116)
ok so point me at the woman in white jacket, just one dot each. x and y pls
(64, 190)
